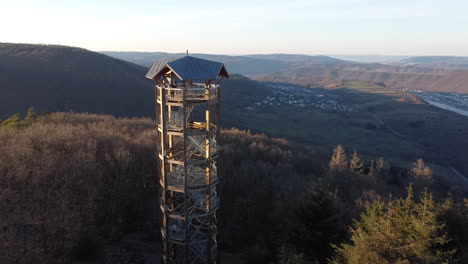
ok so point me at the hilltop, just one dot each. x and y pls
(59, 78)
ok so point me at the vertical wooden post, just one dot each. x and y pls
(162, 119)
(208, 169)
(169, 116)
(186, 199)
(218, 147)
(218, 117)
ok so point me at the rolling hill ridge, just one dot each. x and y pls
(246, 65)
(397, 77)
(445, 74)
(58, 78)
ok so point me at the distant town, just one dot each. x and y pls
(302, 97)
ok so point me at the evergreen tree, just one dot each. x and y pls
(31, 115)
(356, 163)
(421, 170)
(13, 121)
(455, 216)
(316, 223)
(338, 162)
(398, 231)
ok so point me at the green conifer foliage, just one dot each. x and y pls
(13, 121)
(398, 231)
(31, 116)
(316, 223)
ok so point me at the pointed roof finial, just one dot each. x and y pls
(187, 52)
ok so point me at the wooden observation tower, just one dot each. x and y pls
(188, 118)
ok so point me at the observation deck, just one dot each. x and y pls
(195, 93)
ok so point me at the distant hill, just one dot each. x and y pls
(318, 59)
(235, 64)
(369, 58)
(246, 65)
(398, 77)
(436, 61)
(58, 78)
(446, 74)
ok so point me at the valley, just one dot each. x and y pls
(376, 119)
(371, 118)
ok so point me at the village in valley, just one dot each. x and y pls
(298, 96)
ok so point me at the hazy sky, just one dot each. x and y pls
(398, 27)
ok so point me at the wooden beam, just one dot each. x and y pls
(162, 120)
(184, 127)
(208, 171)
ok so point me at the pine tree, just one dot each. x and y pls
(398, 231)
(355, 163)
(13, 121)
(421, 170)
(31, 116)
(338, 162)
(316, 223)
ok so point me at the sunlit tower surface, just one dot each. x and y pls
(188, 119)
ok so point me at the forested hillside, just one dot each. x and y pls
(59, 78)
(80, 186)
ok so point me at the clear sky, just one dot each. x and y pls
(391, 27)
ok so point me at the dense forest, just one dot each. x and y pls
(74, 185)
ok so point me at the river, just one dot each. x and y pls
(447, 107)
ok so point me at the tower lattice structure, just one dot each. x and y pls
(188, 119)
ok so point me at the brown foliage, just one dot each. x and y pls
(71, 170)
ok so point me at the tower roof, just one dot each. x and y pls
(188, 68)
